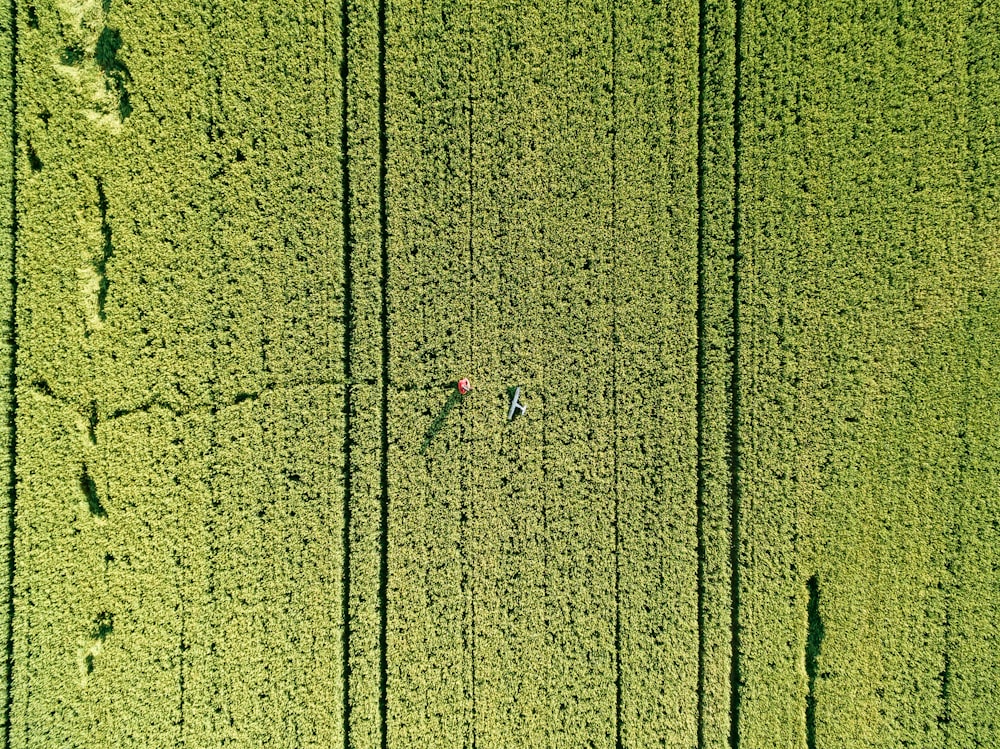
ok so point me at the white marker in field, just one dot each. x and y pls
(515, 406)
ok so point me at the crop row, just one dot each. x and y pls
(7, 343)
(180, 364)
(543, 573)
(866, 274)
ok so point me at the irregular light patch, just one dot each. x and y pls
(86, 423)
(90, 291)
(86, 654)
(85, 15)
(89, 60)
(93, 276)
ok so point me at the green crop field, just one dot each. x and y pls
(742, 259)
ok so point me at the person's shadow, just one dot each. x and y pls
(438, 422)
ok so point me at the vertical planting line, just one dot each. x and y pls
(472, 319)
(614, 372)
(383, 586)
(735, 676)
(701, 374)
(213, 512)
(950, 586)
(472, 298)
(348, 302)
(180, 665)
(944, 717)
(12, 376)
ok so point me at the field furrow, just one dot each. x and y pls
(716, 155)
(361, 144)
(8, 92)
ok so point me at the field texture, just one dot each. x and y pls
(743, 260)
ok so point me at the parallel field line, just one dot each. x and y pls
(12, 377)
(735, 453)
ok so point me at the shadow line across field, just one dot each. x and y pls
(383, 214)
(348, 246)
(734, 439)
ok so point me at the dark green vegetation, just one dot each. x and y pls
(742, 259)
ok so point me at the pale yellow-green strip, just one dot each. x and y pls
(270, 669)
(889, 458)
(363, 168)
(108, 241)
(515, 70)
(151, 433)
(364, 664)
(278, 232)
(152, 472)
(655, 266)
(7, 249)
(770, 600)
(572, 342)
(544, 589)
(269, 610)
(855, 262)
(972, 718)
(60, 589)
(429, 632)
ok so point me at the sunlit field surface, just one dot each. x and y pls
(742, 261)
